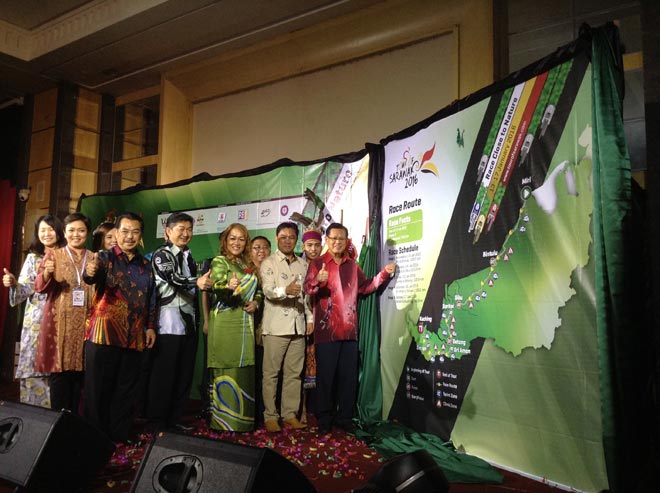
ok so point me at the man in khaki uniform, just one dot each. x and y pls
(283, 329)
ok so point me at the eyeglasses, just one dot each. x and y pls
(335, 239)
(259, 247)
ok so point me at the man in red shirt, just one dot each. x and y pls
(335, 280)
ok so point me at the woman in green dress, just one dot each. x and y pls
(231, 333)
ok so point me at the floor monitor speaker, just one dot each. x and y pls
(45, 450)
(186, 464)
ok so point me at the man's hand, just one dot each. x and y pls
(310, 328)
(204, 282)
(150, 338)
(322, 275)
(390, 268)
(293, 289)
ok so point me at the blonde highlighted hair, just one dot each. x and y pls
(245, 257)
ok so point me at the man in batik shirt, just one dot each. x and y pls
(335, 280)
(121, 324)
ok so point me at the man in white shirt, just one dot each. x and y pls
(283, 329)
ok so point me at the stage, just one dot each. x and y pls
(334, 463)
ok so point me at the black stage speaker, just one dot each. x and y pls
(414, 472)
(45, 450)
(185, 464)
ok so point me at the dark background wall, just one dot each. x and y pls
(651, 42)
(10, 142)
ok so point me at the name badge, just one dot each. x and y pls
(78, 297)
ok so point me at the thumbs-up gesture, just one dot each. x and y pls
(294, 288)
(390, 268)
(92, 266)
(49, 268)
(204, 282)
(233, 282)
(8, 279)
(322, 275)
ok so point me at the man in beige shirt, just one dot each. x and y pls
(283, 328)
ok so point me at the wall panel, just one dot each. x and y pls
(327, 112)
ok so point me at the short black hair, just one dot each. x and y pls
(336, 226)
(179, 217)
(287, 225)
(131, 216)
(262, 238)
(78, 216)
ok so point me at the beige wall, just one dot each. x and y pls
(330, 88)
(328, 112)
(175, 135)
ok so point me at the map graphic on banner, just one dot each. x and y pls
(487, 213)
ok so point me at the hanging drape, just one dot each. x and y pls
(8, 198)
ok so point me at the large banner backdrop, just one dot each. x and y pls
(495, 331)
(489, 332)
(330, 190)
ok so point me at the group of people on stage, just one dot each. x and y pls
(90, 314)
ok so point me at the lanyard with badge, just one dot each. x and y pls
(78, 292)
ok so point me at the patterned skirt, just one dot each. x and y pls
(35, 391)
(232, 398)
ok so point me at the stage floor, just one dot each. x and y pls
(333, 463)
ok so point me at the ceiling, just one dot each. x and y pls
(118, 46)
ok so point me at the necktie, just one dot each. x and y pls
(180, 260)
(192, 266)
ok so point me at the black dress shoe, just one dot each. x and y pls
(347, 426)
(155, 426)
(324, 429)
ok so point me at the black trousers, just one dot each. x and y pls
(336, 369)
(65, 390)
(172, 369)
(143, 383)
(111, 379)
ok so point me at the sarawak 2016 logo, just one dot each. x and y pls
(409, 165)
